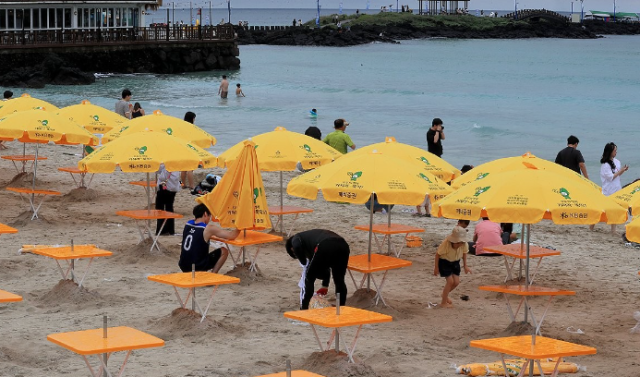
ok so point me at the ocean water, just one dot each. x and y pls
(497, 98)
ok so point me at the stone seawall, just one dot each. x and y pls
(76, 65)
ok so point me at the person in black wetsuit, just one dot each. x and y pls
(195, 242)
(322, 252)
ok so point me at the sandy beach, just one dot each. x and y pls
(245, 333)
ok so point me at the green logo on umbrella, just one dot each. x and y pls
(96, 118)
(255, 147)
(564, 192)
(480, 190)
(44, 122)
(425, 178)
(423, 159)
(636, 189)
(142, 150)
(307, 148)
(256, 192)
(355, 176)
(169, 131)
(124, 128)
(481, 176)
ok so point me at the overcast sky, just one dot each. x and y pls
(561, 5)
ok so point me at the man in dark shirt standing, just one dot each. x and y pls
(571, 158)
(435, 135)
(320, 251)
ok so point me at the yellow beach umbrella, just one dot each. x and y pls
(166, 124)
(633, 230)
(239, 200)
(93, 118)
(629, 197)
(355, 178)
(432, 163)
(281, 150)
(38, 126)
(529, 195)
(144, 152)
(25, 102)
(526, 161)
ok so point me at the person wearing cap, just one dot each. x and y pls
(338, 139)
(447, 263)
(321, 253)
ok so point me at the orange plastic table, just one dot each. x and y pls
(388, 231)
(518, 251)
(145, 185)
(94, 342)
(525, 291)
(142, 217)
(32, 195)
(191, 281)
(294, 373)
(23, 159)
(9, 297)
(7, 229)
(378, 263)
(74, 170)
(522, 346)
(68, 254)
(248, 238)
(287, 210)
(328, 317)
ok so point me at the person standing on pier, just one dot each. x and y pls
(223, 90)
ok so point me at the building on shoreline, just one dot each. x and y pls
(435, 7)
(35, 15)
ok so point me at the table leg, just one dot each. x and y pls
(544, 314)
(90, 180)
(375, 237)
(204, 313)
(142, 229)
(555, 370)
(535, 270)
(379, 288)
(334, 332)
(74, 180)
(156, 236)
(182, 304)
(504, 365)
(523, 369)
(124, 363)
(85, 273)
(511, 314)
(353, 279)
(315, 332)
(64, 274)
(254, 259)
(509, 267)
(352, 349)
(35, 211)
(293, 223)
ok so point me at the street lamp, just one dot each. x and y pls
(229, 9)
(210, 19)
(581, 10)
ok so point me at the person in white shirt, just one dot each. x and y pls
(610, 172)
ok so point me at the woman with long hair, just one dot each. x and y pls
(610, 172)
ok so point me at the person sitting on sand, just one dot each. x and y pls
(320, 251)
(195, 242)
(487, 233)
(447, 262)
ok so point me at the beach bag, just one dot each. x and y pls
(318, 302)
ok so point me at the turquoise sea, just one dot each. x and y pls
(497, 98)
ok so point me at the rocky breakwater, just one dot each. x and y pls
(366, 29)
(77, 65)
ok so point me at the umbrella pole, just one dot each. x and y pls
(389, 226)
(521, 250)
(35, 169)
(245, 237)
(149, 203)
(526, 307)
(104, 355)
(370, 238)
(281, 205)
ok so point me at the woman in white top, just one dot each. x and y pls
(610, 172)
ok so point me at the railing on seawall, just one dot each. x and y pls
(115, 36)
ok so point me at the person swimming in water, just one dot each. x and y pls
(313, 112)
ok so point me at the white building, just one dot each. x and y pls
(74, 14)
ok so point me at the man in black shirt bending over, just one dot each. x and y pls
(320, 251)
